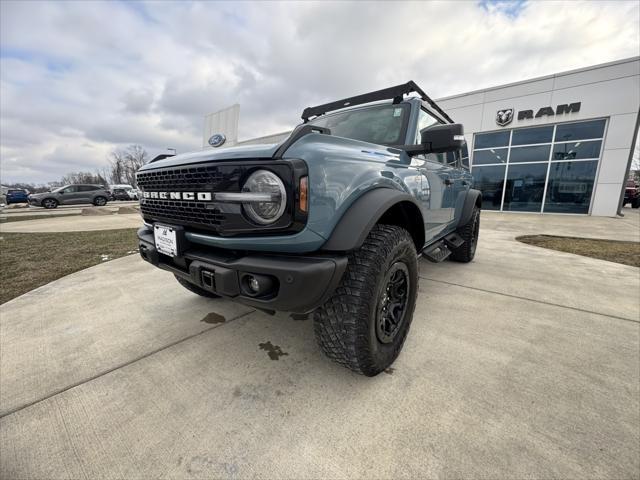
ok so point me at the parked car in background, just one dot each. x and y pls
(123, 192)
(133, 194)
(71, 195)
(120, 194)
(632, 194)
(17, 195)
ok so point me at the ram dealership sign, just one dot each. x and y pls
(505, 115)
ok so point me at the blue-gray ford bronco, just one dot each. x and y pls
(331, 221)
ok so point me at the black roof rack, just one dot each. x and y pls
(396, 93)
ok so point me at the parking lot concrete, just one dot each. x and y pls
(27, 210)
(523, 363)
(75, 223)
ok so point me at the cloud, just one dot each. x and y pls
(80, 79)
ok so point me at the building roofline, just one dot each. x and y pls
(545, 77)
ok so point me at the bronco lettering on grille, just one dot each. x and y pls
(199, 196)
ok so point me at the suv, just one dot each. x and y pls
(330, 221)
(71, 195)
(17, 195)
(631, 194)
(120, 194)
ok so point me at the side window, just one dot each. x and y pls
(71, 189)
(437, 157)
(465, 156)
(87, 188)
(424, 120)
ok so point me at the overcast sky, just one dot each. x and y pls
(80, 79)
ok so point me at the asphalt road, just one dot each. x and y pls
(523, 363)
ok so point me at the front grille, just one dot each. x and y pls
(209, 177)
(220, 218)
(184, 213)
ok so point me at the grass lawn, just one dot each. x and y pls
(20, 218)
(30, 260)
(627, 253)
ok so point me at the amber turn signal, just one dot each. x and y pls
(304, 191)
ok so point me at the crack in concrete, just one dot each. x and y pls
(118, 367)
(531, 300)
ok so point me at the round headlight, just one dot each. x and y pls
(265, 212)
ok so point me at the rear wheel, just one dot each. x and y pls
(100, 201)
(635, 203)
(195, 289)
(469, 233)
(364, 324)
(49, 203)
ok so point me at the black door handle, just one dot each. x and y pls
(448, 182)
(465, 183)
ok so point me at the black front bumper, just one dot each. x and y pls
(302, 283)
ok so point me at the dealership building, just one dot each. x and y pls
(562, 143)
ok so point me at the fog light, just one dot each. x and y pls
(256, 285)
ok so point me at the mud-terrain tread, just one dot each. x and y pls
(195, 289)
(341, 325)
(463, 252)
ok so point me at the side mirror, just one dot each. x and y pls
(438, 139)
(443, 138)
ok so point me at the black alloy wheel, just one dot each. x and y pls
(392, 306)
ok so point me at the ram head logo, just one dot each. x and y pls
(504, 116)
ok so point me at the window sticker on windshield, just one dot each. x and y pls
(397, 112)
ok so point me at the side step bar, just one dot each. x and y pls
(441, 250)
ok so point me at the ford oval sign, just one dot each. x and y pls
(217, 140)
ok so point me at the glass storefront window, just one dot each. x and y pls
(576, 150)
(579, 131)
(527, 136)
(570, 187)
(489, 180)
(525, 187)
(523, 155)
(539, 153)
(493, 139)
(493, 155)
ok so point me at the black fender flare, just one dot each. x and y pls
(352, 229)
(473, 198)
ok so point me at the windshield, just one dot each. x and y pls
(383, 124)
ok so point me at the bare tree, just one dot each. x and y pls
(124, 164)
(116, 167)
(83, 177)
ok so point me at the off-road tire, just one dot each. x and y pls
(469, 233)
(346, 326)
(100, 201)
(49, 203)
(195, 289)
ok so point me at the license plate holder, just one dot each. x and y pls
(168, 239)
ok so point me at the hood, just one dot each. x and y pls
(249, 152)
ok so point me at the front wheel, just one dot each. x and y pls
(365, 322)
(469, 232)
(100, 201)
(49, 203)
